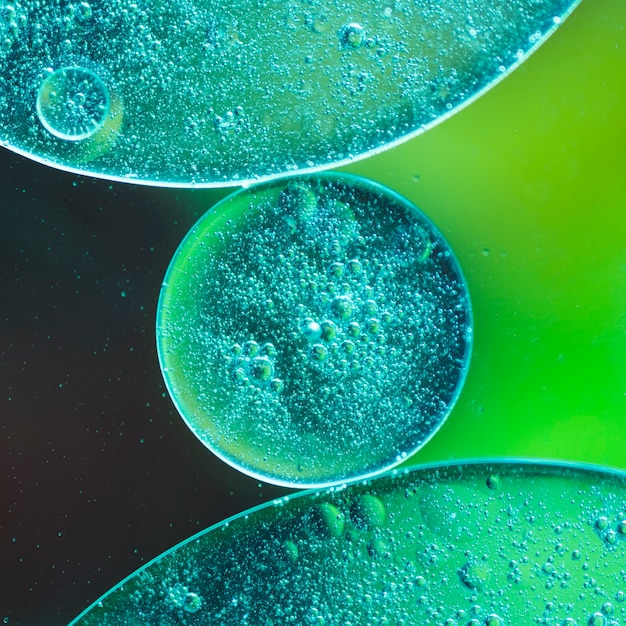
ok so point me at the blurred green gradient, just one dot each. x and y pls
(528, 184)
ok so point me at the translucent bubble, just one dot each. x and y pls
(251, 348)
(312, 330)
(73, 103)
(261, 369)
(348, 346)
(269, 350)
(277, 385)
(319, 352)
(192, 603)
(354, 329)
(342, 307)
(597, 619)
(370, 307)
(290, 550)
(368, 512)
(336, 270)
(84, 11)
(475, 574)
(327, 520)
(373, 326)
(493, 482)
(352, 36)
(362, 68)
(354, 267)
(329, 330)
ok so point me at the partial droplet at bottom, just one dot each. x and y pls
(483, 544)
(314, 330)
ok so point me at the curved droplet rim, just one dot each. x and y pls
(303, 171)
(349, 180)
(489, 464)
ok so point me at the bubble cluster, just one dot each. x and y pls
(373, 552)
(73, 103)
(321, 334)
(254, 365)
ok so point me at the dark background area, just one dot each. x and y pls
(99, 473)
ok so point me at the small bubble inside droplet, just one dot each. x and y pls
(73, 103)
(319, 352)
(311, 330)
(261, 369)
(352, 35)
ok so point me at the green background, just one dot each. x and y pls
(528, 184)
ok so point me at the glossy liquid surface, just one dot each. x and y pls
(210, 93)
(314, 330)
(488, 544)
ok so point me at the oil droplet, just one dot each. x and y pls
(73, 103)
(367, 512)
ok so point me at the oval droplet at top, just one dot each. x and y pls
(213, 93)
(290, 368)
(371, 553)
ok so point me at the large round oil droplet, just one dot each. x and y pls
(362, 554)
(73, 103)
(358, 393)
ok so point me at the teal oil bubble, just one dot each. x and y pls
(370, 552)
(73, 103)
(261, 89)
(364, 366)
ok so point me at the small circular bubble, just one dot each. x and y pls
(370, 307)
(342, 307)
(277, 385)
(608, 608)
(597, 619)
(192, 603)
(336, 270)
(373, 326)
(312, 330)
(319, 352)
(261, 369)
(251, 348)
(329, 330)
(354, 329)
(354, 267)
(73, 103)
(368, 512)
(269, 350)
(84, 11)
(348, 346)
(493, 482)
(352, 36)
